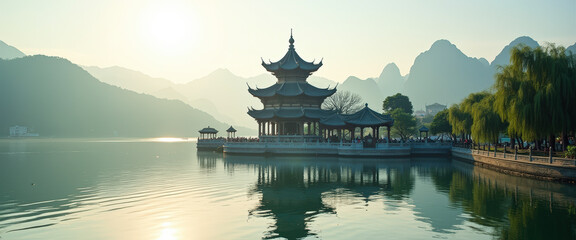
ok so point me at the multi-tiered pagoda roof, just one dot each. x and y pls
(291, 61)
(291, 89)
(291, 96)
(292, 101)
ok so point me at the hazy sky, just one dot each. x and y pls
(186, 39)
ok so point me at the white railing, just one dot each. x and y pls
(554, 161)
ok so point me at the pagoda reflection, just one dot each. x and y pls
(293, 190)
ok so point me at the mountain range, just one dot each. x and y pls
(442, 74)
(59, 99)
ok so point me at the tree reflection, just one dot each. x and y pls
(513, 211)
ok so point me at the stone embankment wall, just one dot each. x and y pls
(556, 169)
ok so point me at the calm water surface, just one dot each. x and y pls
(163, 189)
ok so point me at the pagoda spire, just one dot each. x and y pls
(291, 62)
(291, 41)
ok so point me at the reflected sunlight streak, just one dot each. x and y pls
(169, 139)
(167, 233)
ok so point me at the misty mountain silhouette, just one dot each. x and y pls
(59, 99)
(503, 58)
(390, 81)
(9, 52)
(367, 89)
(442, 74)
(445, 75)
(129, 79)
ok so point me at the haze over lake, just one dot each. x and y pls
(165, 189)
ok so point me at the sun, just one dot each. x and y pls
(168, 29)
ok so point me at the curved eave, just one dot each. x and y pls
(265, 114)
(291, 61)
(335, 120)
(261, 114)
(292, 90)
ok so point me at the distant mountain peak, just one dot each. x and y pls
(523, 40)
(9, 52)
(444, 47)
(503, 58)
(391, 69)
(442, 43)
(221, 73)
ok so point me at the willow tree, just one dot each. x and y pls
(460, 121)
(476, 117)
(486, 123)
(535, 93)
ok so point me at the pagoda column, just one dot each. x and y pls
(259, 129)
(388, 127)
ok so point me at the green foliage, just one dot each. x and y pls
(486, 123)
(397, 101)
(460, 121)
(60, 99)
(404, 123)
(535, 93)
(476, 116)
(570, 152)
(440, 123)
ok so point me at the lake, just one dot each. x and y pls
(164, 189)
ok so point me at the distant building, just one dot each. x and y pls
(21, 131)
(435, 108)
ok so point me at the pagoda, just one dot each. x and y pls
(291, 105)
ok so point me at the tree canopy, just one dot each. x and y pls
(440, 124)
(404, 123)
(460, 120)
(397, 101)
(535, 94)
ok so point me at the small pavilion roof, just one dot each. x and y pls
(292, 89)
(291, 61)
(367, 117)
(208, 130)
(231, 129)
(335, 120)
(423, 129)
